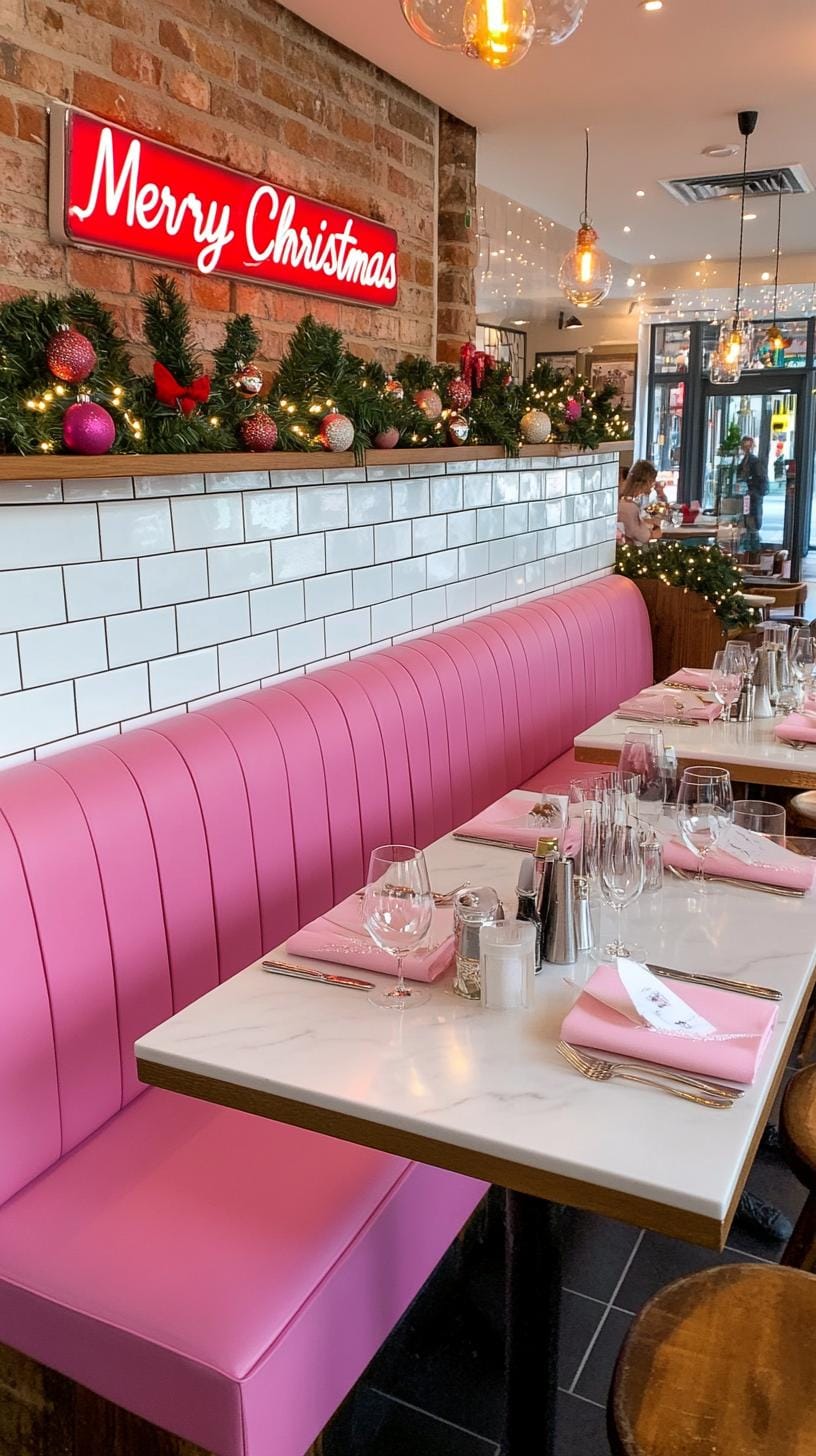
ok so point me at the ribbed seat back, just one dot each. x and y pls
(137, 873)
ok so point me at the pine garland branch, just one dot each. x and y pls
(167, 329)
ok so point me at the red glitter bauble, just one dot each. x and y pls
(459, 393)
(387, 439)
(428, 401)
(336, 432)
(259, 431)
(87, 429)
(69, 355)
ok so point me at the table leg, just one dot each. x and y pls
(533, 1302)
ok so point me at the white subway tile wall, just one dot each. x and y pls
(124, 601)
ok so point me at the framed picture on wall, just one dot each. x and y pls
(562, 363)
(620, 373)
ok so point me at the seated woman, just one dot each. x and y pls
(638, 484)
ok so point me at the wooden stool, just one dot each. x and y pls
(720, 1364)
(797, 1128)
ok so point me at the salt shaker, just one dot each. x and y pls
(527, 904)
(559, 928)
(507, 965)
(472, 908)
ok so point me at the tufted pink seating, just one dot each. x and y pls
(226, 1277)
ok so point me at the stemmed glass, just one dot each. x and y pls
(397, 913)
(803, 661)
(642, 755)
(705, 806)
(621, 874)
(726, 682)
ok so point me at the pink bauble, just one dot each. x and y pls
(572, 410)
(459, 394)
(387, 439)
(87, 429)
(259, 431)
(428, 401)
(336, 432)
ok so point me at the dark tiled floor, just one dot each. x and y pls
(436, 1386)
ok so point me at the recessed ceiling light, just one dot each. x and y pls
(651, 4)
(766, 277)
(630, 283)
(749, 217)
(652, 257)
(708, 257)
(627, 229)
(519, 322)
(640, 192)
(720, 151)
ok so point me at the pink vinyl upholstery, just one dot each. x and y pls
(226, 1277)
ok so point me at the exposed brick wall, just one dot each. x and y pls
(247, 83)
(458, 246)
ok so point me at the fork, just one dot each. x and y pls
(596, 1069)
(781, 890)
(439, 897)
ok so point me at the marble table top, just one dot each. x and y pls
(485, 1092)
(751, 750)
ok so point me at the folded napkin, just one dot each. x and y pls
(693, 677)
(340, 938)
(508, 820)
(741, 1027)
(772, 864)
(800, 727)
(651, 703)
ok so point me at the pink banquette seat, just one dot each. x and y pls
(226, 1277)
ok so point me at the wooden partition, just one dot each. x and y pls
(686, 632)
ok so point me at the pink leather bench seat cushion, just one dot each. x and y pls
(225, 1276)
(558, 775)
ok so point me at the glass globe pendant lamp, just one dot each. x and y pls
(585, 275)
(557, 20)
(735, 345)
(499, 32)
(437, 22)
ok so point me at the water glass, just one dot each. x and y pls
(761, 817)
(621, 877)
(803, 660)
(643, 755)
(397, 913)
(705, 806)
(725, 684)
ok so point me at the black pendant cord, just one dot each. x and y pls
(742, 230)
(778, 241)
(585, 213)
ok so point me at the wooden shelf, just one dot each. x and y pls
(104, 467)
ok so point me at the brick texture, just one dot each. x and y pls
(247, 83)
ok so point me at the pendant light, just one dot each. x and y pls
(498, 32)
(585, 275)
(736, 340)
(437, 22)
(557, 20)
(774, 338)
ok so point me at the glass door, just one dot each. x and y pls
(769, 415)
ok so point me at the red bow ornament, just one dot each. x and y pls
(186, 396)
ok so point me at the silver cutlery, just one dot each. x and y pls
(645, 718)
(303, 973)
(699, 978)
(781, 890)
(493, 843)
(440, 898)
(597, 1069)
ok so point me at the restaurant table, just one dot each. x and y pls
(485, 1092)
(751, 751)
(689, 533)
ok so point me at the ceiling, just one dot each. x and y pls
(655, 90)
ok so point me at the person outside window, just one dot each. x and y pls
(753, 476)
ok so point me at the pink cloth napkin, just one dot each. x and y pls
(341, 939)
(685, 704)
(798, 875)
(798, 727)
(693, 677)
(506, 820)
(749, 1020)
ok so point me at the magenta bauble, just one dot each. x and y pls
(459, 393)
(259, 431)
(572, 410)
(458, 429)
(336, 432)
(387, 439)
(70, 356)
(429, 403)
(87, 429)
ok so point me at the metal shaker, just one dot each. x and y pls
(527, 902)
(584, 928)
(472, 908)
(560, 941)
(745, 702)
(546, 853)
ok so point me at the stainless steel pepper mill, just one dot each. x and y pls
(584, 929)
(560, 942)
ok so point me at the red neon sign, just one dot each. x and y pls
(113, 189)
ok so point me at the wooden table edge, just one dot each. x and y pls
(745, 773)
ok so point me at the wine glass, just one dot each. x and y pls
(705, 806)
(803, 661)
(642, 755)
(621, 874)
(725, 684)
(397, 913)
(739, 657)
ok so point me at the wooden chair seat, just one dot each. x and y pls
(797, 1127)
(720, 1364)
(804, 806)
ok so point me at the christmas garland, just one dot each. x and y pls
(67, 384)
(702, 569)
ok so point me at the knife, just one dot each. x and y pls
(637, 718)
(744, 988)
(302, 973)
(493, 843)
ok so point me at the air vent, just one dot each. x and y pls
(767, 183)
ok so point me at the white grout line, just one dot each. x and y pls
(602, 1321)
(441, 1420)
(585, 1398)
